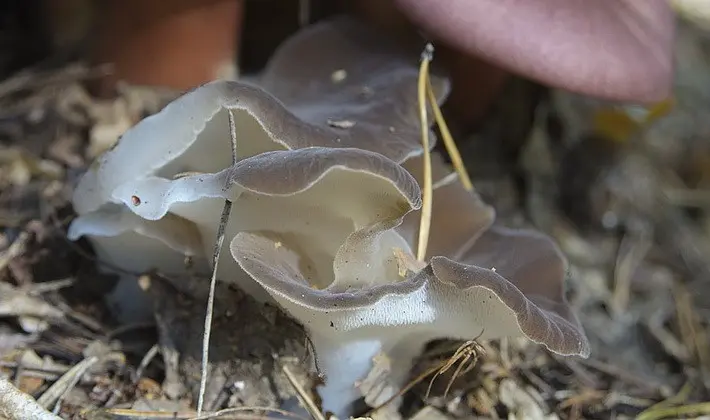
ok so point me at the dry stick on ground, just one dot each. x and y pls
(15, 250)
(147, 358)
(239, 413)
(672, 407)
(54, 393)
(16, 405)
(234, 413)
(213, 281)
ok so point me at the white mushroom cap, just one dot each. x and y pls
(372, 110)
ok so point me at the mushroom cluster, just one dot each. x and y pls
(326, 201)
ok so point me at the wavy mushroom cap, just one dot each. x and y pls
(614, 49)
(312, 197)
(298, 103)
(503, 283)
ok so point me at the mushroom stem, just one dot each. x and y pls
(346, 362)
(347, 365)
(343, 365)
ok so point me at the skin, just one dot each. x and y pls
(613, 49)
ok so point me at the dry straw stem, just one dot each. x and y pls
(671, 408)
(427, 189)
(463, 353)
(240, 413)
(693, 334)
(56, 393)
(425, 91)
(234, 413)
(451, 148)
(226, 210)
(699, 409)
(467, 351)
(15, 250)
(409, 386)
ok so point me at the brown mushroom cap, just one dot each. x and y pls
(615, 49)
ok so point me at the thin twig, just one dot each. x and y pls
(213, 281)
(51, 286)
(146, 361)
(676, 412)
(303, 395)
(53, 395)
(671, 407)
(239, 410)
(622, 375)
(15, 250)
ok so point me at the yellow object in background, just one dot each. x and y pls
(620, 123)
(697, 11)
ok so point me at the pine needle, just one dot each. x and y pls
(698, 409)
(673, 408)
(451, 148)
(425, 92)
(463, 353)
(427, 189)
